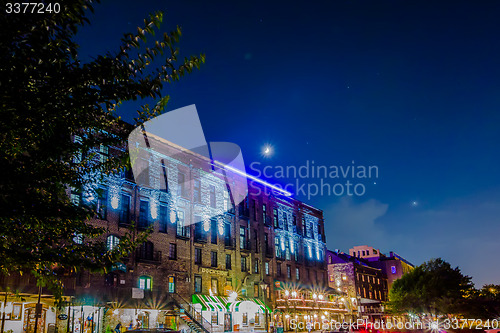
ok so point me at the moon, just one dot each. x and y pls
(267, 150)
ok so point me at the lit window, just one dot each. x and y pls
(145, 283)
(393, 269)
(111, 242)
(267, 268)
(171, 284)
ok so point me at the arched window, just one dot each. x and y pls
(145, 282)
(111, 242)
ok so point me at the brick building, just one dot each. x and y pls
(216, 260)
(365, 286)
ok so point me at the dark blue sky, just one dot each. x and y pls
(409, 86)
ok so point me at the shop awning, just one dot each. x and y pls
(248, 305)
(209, 303)
(219, 303)
(263, 306)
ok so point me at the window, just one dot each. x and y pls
(308, 229)
(242, 238)
(182, 230)
(245, 318)
(213, 204)
(278, 269)
(228, 206)
(256, 290)
(197, 256)
(102, 201)
(275, 218)
(213, 259)
(111, 242)
(227, 235)
(285, 221)
(215, 285)
(181, 185)
(111, 279)
(393, 269)
(197, 191)
(243, 264)
(288, 271)
(215, 318)
(303, 226)
(266, 265)
(145, 282)
(277, 247)
(256, 266)
(213, 231)
(164, 216)
(297, 273)
(172, 253)
(125, 209)
(197, 284)
(264, 213)
(171, 284)
(143, 214)
(146, 251)
(198, 229)
(228, 261)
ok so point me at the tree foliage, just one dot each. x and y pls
(48, 95)
(433, 288)
(485, 302)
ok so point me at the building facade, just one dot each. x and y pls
(365, 286)
(212, 263)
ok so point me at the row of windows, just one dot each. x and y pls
(369, 278)
(146, 283)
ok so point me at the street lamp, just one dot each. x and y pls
(264, 287)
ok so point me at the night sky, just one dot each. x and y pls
(411, 87)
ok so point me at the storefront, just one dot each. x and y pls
(226, 314)
(21, 317)
(141, 318)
